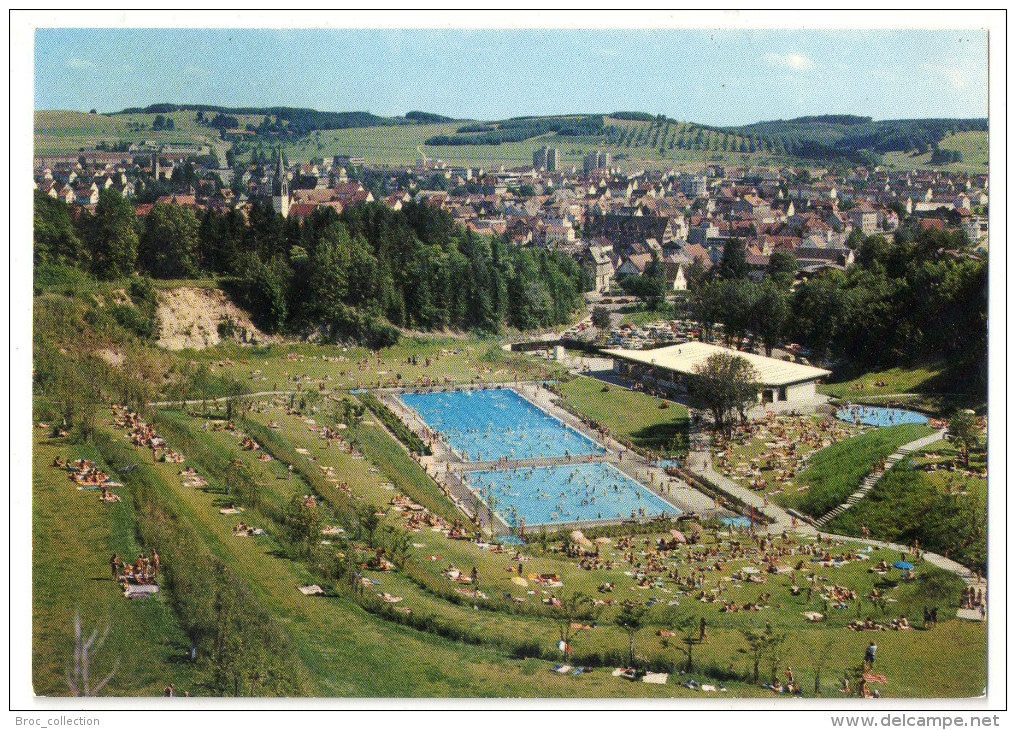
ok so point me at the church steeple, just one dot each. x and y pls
(280, 188)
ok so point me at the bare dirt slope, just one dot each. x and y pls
(190, 317)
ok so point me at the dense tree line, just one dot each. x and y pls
(357, 275)
(912, 298)
(518, 130)
(906, 299)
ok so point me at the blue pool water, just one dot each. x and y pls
(569, 493)
(485, 425)
(736, 521)
(876, 416)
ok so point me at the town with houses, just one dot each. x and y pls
(613, 220)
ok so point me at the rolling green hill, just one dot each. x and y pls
(634, 139)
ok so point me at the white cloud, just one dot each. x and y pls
(795, 61)
(957, 78)
(74, 62)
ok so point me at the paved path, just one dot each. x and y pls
(872, 479)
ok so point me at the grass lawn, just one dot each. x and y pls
(897, 380)
(639, 316)
(834, 473)
(73, 537)
(315, 367)
(630, 415)
(348, 652)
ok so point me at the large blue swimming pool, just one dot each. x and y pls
(569, 493)
(486, 425)
(877, 416)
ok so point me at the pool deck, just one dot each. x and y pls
(446, 464)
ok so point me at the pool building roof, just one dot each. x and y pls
(686, 357)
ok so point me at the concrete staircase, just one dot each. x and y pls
(872, 479)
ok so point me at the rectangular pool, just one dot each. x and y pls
(486, 425)
(546, 495)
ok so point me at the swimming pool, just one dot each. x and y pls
(485, 425)
(878, 416)
(568, 493)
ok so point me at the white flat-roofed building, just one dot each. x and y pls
(674, 366)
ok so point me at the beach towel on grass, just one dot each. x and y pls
(135, 590)
(311, 590)
(655, 678)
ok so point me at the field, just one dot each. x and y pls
(972, 145)
(630, 416)
(316, 367)
(398, 146)
(64, 132)
(633, 144)
(74, 536)
(897, 381)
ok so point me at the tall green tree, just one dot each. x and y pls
(782, 268)
(964, 432)
(725, 384)
(733, 264)
(631, 619)
(113, 236)
(770, 313)
(54, 236)
(168, 247)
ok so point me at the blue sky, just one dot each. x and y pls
(711, 77)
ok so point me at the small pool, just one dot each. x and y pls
(878, 416)
(571, 493)
(737, 522)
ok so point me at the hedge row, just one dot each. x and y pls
(394, 424)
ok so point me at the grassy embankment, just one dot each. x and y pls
(835, 472)
(946, 510)
(927, 387)
(630, 415)
(501, 629)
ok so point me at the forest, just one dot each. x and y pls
(356, 276)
